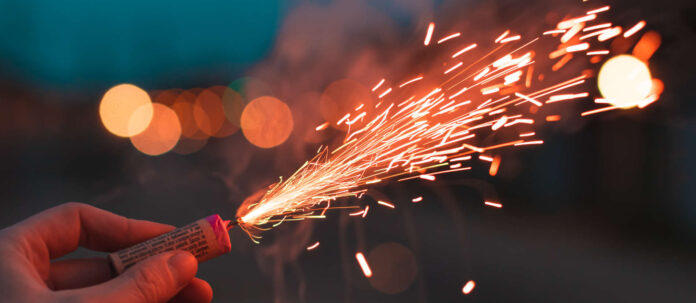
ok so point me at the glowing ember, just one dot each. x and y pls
(495, 165)
(429, 35)
(634, 29)
(452, 36)
(468, 287)
(363, 264)
(322, 127)
(417, 199)
(493, 204)
(387, 204)
(313, 246)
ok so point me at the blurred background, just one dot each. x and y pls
(603, 211)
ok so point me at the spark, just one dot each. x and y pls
(357, 213)
(385, 93)
(599, 110)
(429, 34)
(417, 199)
(427, 177)
(574, 30)
(459, 93)
(468, 287)
(387, 204)
(513, 38)
(378, 85)
(363, 264)
(453, 68)
(527, 134)
(481, 74)
(530, 143)
(564, 97)
(598, 52)
(313, 246)
(452, 36)
(610, 33)
(578, 47)
(599, 10)
(498, 124)
(486, 158)
(535, 102)
(553, 118)
(322, 127)
(598, 26)
(634, 29)
(465, 158)
(490, 90)
(495, 165)
(464, 50)
(410, 81)
(367, 208)
(493, 204)
(502, 36)
(565, 24)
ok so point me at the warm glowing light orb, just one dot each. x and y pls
(266, 122)
(161, 135)
(125, 110)
(624, 80)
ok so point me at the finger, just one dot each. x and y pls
(198, 291)
(156, 279)
(59, 230)
(70, 274)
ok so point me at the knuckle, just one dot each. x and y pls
(150, 284)
(74, 206)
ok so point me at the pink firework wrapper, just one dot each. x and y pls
(206, 238)
(220, 228)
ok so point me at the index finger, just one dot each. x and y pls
(60, 230)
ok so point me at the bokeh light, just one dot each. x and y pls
(344, 96)
(183, 106)
(162, 133)
(125, 110)
(393, 267)
(233, 104)
(647, 45)
(266, 122)
(208, 112)
(167, 97)
(228, 128)
(624, 80)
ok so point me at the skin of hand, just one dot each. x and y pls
(27, 273)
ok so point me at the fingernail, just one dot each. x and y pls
(184, 265)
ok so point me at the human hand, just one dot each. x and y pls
(28, 275)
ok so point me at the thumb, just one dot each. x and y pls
(156, 279)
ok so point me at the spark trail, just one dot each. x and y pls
(436, 119)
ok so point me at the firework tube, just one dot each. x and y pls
(206, 238)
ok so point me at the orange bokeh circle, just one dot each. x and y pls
(228, 128)
(266, 122)
(161, 135)
(125, 110)
(208, 113)
(393, 266)
(184, 108)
